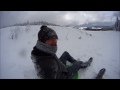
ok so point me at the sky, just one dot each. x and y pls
(58, 17)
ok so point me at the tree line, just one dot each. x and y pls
(31, 23)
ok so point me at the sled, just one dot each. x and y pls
(76, 74)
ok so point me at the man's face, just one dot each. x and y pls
(52, 41)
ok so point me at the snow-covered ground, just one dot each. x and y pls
(103, 46)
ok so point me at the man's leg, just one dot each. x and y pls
(101, 73)
(66, 57)
(76, 66)
(86, 64)
(73, 69)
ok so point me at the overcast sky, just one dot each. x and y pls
(57, 17)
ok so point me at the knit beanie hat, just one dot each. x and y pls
(46, 33)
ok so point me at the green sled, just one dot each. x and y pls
(76, 74)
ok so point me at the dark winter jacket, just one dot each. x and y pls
(48, 66)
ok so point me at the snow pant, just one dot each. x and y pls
(76, 65)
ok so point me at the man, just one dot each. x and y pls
(47, 64)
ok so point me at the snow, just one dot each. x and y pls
(103, 46)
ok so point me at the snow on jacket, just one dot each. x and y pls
(47, 65)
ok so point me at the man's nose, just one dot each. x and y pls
(54, 42)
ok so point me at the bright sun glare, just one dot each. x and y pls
(68, 17)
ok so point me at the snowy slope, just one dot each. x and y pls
(103, 46)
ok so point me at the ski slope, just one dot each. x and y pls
(103, 46)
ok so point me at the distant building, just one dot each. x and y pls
(117, 24)
(94, 28)
(82, 28)
(97, 28)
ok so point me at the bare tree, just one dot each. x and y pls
(15, 32)
(27, 28)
